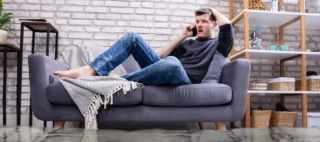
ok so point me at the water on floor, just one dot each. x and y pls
(282, 134)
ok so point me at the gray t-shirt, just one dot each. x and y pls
(197, 56)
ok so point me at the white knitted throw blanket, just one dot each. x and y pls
(89, 93)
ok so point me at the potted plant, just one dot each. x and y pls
(5, 18)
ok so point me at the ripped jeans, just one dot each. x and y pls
(154, 71)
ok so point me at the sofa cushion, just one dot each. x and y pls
(58, 95)
(130, 64)
(187, 95)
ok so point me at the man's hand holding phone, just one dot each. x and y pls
(190, 30)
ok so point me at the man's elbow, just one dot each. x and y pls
(227, 21)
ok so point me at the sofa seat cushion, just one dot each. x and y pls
(57, 94)
(187, 95)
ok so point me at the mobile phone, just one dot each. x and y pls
(194, 31)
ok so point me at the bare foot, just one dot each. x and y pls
(75, 73)
(113, 75)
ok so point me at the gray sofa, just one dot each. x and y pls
(224, 102)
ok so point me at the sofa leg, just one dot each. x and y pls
(201, 125)
(58, 124)
(78, 124)
(232, 125)
(221, 126)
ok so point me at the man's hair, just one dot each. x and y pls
(206, 11)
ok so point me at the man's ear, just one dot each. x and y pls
(214, 25)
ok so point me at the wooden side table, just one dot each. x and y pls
(5, 47)
(40, 27)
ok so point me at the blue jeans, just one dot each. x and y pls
(154, 71)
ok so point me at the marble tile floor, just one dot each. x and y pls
(282, 134)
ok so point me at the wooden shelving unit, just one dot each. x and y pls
(277, 19)
(282, 21)
(275, 55)
(292, 93)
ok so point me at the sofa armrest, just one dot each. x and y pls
(236, 74)
(40, 74)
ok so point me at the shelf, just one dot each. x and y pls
(314, 56)
(268, 54)
(277, 55)
(9, 47)
(312, 21)
(262, 19)
(279, 20)
(253, 92)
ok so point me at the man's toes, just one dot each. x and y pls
(56, 72)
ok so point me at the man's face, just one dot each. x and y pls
(205, 26)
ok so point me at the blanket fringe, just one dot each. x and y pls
(92, 111)
(89, 136)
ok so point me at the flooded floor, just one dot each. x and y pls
(283, 134)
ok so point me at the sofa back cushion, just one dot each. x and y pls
(130, 64)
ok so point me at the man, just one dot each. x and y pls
(180, 62)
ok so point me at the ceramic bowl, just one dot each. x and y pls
(284, 47)
(272, 47)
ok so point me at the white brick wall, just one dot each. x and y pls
(101, 23)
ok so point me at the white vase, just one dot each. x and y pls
(3, 36)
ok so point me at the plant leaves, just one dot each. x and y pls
(6, 15)
(1, 8)
(5, 20)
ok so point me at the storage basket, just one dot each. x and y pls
(256, 5)
(260, 118)
(258, 85)
(282, 84)
(313, 119)
(283, 118)
(313, 83)
(298, 85)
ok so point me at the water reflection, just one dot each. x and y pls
(26, 134)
